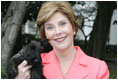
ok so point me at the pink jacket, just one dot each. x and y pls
(83, 67)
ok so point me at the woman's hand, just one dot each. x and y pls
(23, 71)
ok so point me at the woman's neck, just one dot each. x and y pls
(66, 55)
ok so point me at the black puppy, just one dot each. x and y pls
(30, 53)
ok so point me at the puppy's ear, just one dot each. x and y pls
(44, 43)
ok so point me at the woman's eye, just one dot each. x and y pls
(49, 27)
(63, 23)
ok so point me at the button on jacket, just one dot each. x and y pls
(82, 67)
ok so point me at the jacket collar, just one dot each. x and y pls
(80, 57)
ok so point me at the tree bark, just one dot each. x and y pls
(11, 27)
(97, 43)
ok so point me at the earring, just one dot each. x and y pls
(74, 33)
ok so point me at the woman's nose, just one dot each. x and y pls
(58, 31)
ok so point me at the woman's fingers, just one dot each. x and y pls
(27, 74)
(23, 71)
(23, 64)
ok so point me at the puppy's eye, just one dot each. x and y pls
(33, 47)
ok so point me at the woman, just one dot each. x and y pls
(57, 22)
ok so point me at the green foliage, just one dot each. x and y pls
(110, 55)
(4, 7)
(113, 74)
(3, 73)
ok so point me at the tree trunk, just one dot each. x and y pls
(97, 43)
(11, 27)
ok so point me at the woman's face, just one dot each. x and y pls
(58, 30)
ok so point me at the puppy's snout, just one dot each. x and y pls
(36, 60)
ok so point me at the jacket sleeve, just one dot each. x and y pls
(103, 71)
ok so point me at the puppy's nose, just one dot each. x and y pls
(36, 60)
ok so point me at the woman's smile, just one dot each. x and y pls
(60, 39)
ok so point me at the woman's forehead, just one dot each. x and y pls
(56, 17)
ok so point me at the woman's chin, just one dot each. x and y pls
(61, 47)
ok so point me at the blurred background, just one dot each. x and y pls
(97, 34)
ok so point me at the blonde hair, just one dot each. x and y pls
(49, 8)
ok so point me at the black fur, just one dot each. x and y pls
(30, 53)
